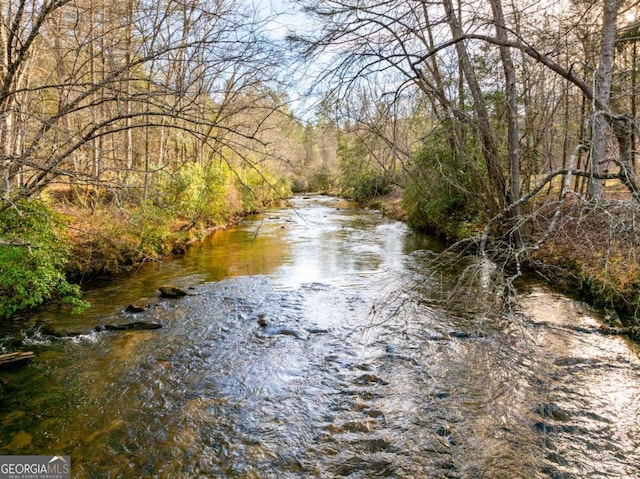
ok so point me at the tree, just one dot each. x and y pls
(603, 80)
(513, 140)
(402, 46)
(497, 185)
(124, 70)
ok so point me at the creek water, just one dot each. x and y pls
(374, 362)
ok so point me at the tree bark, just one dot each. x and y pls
(603, 80)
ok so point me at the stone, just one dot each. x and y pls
(289, 332)
(169, 291)
(136, 308)
(136, 325)
(48, 330)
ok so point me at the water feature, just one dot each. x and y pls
(367, 367)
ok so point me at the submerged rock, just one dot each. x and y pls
(317, 330)
(137, 307)
(279, 330)
(141, 305)
(288, 332)
(48, 330)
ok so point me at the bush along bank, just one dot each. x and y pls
(73, 234)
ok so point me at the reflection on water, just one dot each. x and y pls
(379, 380)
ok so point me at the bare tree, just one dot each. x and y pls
(403, 46)
(122, 73)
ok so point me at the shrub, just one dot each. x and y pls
(365, 187)
(442, 191)
(194, 192)
(260, 188)
(33, 253)
(361, 178)
(151, 229)
(321, 181)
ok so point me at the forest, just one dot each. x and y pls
(130, 128)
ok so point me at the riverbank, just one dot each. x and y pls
(592, 253)
(109, 233)
(110, 240)
(71, 238)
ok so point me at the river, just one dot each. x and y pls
(320, 341)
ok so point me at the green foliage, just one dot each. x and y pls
(260, 188)
(33, 253)
(360, 179)
(206, 194)
(194, 192)
(321, 181)
(366, 186)
(442, 191)
(151, 230)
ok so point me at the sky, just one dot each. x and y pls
(282, 18)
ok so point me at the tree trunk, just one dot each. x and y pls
(512, 107)
(435, 91)
(604, 77)
(128, 90)
(497, 184)
(634, 106)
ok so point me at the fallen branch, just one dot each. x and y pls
(15, 243)
(15, 358)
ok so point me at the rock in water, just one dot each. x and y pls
(136, 308)
(137, 325)
(171, 292)
(288, 332)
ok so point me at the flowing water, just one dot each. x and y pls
(373, 363)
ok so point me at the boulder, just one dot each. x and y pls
(48, 330)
